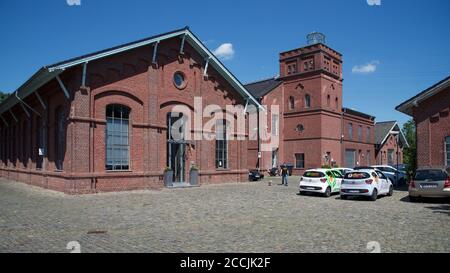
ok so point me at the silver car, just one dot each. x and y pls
(430, 182)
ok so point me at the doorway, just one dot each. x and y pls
(176, 146)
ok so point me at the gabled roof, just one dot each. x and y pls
(261, 88)
(407, 106)
(357, 113)
(384, 129)
(48, 73)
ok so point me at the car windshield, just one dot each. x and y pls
(357, 175)
(314, 174)
(432, 175)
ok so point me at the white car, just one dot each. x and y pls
(397, 177)
(323, 181)
(371, 183)
(343, 171)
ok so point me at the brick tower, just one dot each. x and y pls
(312, 81)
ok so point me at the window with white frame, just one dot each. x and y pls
(117, 137)
(221, 144)
(275, 125)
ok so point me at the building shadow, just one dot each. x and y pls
(442, 208)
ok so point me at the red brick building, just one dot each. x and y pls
(100, 122)
(313, 127)
(430, 110)
(389, 143)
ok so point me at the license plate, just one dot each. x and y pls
(310, 188)
(353, 191)
(428, 186)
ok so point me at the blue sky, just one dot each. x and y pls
(403, 46)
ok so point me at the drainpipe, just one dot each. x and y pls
(259, 139)
(341, 137)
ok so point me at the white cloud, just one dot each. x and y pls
(74, 2)
(366, 68)
(224, 51)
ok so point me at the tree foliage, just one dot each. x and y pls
(3, 96)
(410, 153)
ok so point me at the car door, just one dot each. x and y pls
(384, 183)
(338, 176)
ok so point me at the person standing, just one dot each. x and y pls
(284, 175)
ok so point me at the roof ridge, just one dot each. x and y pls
(263, 80)
(389, 121)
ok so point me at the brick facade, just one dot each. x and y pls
(432, 120)
(313, 123)
(130, 79)
(430, 110)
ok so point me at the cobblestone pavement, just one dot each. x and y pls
(248, 217)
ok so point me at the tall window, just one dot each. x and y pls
(350, 131)
(117, 137)
(24, 143)
(337, 103)
(447, 149)
(368, 135)
(221, 145)
(299, 161)
(307, 101)
(390, 157)
(59, 138)
(360, 133)
(368, 158)
(40, 136)
(275, 125)
(291, 103)
(350, 158)
(328, 100)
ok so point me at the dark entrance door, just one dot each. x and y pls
(176, 146)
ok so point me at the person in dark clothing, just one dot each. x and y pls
(284, 175)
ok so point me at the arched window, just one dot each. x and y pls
(221, 144)
(328, 100)
(337, 103)
(291, 103)
(117, 137)
(40, 142)
(60, 137)
(307, 101)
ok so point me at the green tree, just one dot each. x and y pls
(3, 96)
(410, 153)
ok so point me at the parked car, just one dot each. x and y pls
(396, 176)
(343, 171)
(400, 167)
(323, 181)
(366, 182)
(274, 171)
(255, 175)
(430, 183)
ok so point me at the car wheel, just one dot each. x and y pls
(327, 192)
(391, 191)
(374, 196)
(344, 197)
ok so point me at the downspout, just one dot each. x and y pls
(259, 139)
(341, 137)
